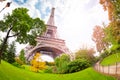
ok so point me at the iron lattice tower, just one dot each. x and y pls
(48, 43)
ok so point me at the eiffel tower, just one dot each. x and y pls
(48, 43)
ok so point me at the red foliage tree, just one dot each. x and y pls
(98, 37)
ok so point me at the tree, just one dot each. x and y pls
(112, 32)
(11, 53)
(86, 54)
(81, 54)
(113, 7)
(22, 56)
(113, 29)
(107, 5)
(21, 26)
(98, 37)
(5, 52)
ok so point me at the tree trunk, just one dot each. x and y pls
(4, 43)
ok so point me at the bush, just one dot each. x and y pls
(18, 65)
(61, 63)
(64, 65)
(49, 69)
(19, 61)
(77, 65)
(37, 65)
(22, 56)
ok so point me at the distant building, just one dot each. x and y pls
(48, 43)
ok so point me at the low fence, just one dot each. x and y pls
(110, 69)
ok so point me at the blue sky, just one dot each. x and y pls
(20, 2)
(75, 19)
(38, 5)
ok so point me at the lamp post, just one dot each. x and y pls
(7, 5)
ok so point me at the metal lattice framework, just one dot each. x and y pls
(48, 43)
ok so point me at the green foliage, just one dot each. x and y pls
(4, 54)
(9, 52)
(104, 54)
(9, 72)
(109, 36)
(85, 54)
(21, 26)
(82, 61)
(113, 29)
(22, 56)
(81, 54)
(49, 69)
(112, 33)
(77, 65)
(18, 65)
(113, 50)
(61, 63)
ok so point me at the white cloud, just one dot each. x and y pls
(75, 19)
(75, 22)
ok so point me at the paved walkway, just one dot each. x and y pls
(113, 70)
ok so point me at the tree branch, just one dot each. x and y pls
(4, 42)
(13, 35)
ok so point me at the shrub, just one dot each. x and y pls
(18, 65)
(49, 69)
(19, 61)
(37, 63)
(77, 65)
(61, 63)
(22, 56)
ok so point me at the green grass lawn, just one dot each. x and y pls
(111, 60)
(9, 72)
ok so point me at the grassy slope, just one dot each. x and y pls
(111, 60)
(9, 72)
